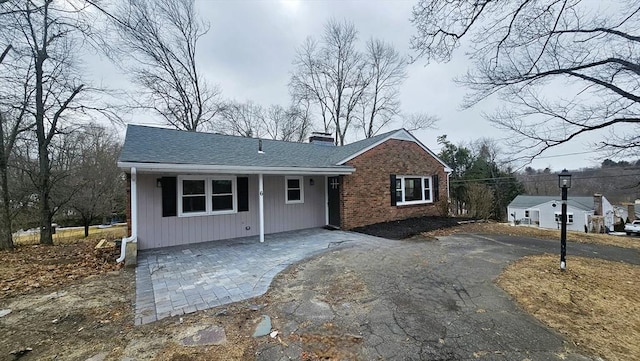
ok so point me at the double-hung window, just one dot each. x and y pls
(206, 195)
(294, 191)
(194, 198)
(222, 195)
(413, 190)
(558, 217)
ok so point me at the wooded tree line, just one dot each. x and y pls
(618, 181)
(54, 162)
(482, 184)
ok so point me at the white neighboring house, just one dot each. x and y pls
(544, 211)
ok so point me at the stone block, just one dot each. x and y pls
(131, 256)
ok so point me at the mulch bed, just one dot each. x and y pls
(408, 228)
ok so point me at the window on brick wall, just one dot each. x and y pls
(413, 190)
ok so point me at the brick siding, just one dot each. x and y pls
(365, 197)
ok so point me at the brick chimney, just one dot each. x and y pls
(597, 204)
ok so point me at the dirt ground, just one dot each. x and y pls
(67, 302)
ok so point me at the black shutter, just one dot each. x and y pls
(169, 196)
(392, 189)
(436, 188)
(243, 194)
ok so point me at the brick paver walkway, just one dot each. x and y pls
(177, 280)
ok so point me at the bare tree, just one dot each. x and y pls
(13, 122)
(156, 43)
(291, 124)
(44, 38)
(418, 121)
(523, 49)
(331, 74)
(98, 181)
(387, 71)
(243, 119)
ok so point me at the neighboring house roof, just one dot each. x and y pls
(524, 201)
(151, 147)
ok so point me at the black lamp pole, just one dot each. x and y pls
(563, 231)
(564, 182)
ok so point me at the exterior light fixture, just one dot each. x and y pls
(564, 182)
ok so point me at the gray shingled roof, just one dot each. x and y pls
(524, 201)
(145, 144)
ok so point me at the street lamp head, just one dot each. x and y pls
(564, 179)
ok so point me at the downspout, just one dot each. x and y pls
(134, 218)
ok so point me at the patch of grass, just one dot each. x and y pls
(65, 236)
(594, 302)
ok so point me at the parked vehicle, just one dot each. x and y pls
(633, 227)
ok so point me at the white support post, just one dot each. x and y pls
(261, 205)
(134, 205)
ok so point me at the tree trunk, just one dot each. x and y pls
(46, 236)
(86, 227)
(6, 238)
(43, 146)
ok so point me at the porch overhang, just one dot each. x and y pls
(232, 169)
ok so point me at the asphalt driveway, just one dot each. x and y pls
(417, 300)
(346, 296)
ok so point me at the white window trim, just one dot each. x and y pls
(558, 217)
(286, 190)
(208, 192)
(422, 187)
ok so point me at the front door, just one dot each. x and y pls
(333, 193)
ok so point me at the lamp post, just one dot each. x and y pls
(564, 182)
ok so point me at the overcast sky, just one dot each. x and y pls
(251, 45)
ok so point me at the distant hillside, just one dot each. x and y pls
(617, 181)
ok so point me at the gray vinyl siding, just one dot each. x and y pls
(155, 231)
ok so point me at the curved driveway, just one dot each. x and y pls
(418, 300)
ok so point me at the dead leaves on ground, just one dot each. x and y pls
(29, 268)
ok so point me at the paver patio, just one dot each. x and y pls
(177, 280)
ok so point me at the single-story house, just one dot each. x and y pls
(187, 187)
(544, 212)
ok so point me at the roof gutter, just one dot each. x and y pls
(232, 169)
(134, 217)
